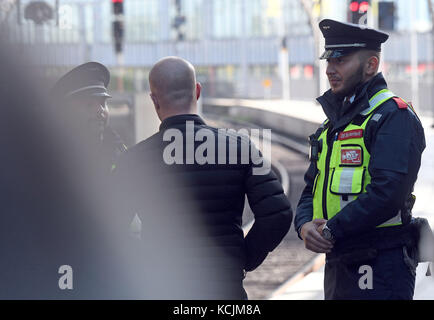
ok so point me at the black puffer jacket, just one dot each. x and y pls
(193, 212)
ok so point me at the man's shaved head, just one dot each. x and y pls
(173, 85)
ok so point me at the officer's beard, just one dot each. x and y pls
(351, 84)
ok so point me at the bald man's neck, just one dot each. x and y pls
(174, 114)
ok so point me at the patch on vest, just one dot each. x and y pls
(351, 156)
(351, 134)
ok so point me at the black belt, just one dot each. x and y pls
(368, 245)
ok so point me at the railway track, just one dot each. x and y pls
(289, 161)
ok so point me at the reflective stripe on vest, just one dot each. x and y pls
(376, 100)
(344, 175)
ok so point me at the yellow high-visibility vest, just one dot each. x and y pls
(342, 173)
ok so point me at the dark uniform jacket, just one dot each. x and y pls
(194, 212)
(395, 141)
(111, 148)
(57, 208)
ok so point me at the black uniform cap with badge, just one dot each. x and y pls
(87, 80)
(345, 38)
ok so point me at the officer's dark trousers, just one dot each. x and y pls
(393, 277)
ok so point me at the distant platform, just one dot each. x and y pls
(295, 118)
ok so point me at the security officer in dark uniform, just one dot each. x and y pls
(356, 206)
(82, 94)
(54, 206)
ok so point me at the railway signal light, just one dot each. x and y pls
(118, 35)
(179, 21)
(118, 25)
(118, 7)
(357, 10)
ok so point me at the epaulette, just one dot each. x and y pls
(401, 103)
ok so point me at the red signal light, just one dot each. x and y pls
(364, 6)
(117, 1)
(360, 7)
(354, 6)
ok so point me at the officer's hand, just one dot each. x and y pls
(313, 240)
(321, 226)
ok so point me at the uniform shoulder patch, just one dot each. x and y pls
(376, 117)
(401, 103)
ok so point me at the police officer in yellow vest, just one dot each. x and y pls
(364, 162)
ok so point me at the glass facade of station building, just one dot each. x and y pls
(150, 20)
(234, 44)
(222, 38)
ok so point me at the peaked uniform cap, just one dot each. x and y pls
(345, 38)
(89, 79)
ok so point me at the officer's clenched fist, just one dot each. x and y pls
(313, 240)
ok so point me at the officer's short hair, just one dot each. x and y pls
(366, 53)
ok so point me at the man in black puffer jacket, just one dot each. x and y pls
(187, 183)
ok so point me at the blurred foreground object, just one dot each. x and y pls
(56, 208)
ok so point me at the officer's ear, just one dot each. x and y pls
(155, 101)
(198, 90)
(371, 65)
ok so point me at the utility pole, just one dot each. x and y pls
(275, 10)
(374, 22)
(431, 71)
(85, 47)
(313, 9)
(373, 14)
(243, 55)
(414, 59)
(284, 68)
